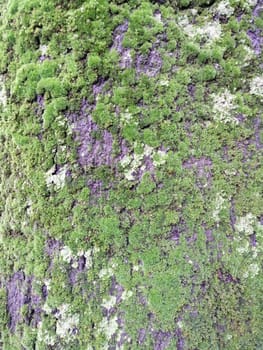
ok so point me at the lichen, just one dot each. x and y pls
(245, 224)
(108, 326)
(56, 178)
(3, 96)
(210, 32)
(67, 323)
(130, 178)
(218, 206)
(224, 9)
(224, 107)
(256, 86)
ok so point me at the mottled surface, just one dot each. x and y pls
(130, 178)
(19, 293)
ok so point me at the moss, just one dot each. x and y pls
(170, 235)
(50, 86)
(207, 73)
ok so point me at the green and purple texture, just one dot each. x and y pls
(131, 175)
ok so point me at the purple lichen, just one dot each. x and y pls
(51, 249)
(202, 167)
(243, 146)
(15, 298)
(116, 289)
(180, 339)
(75, 272)
(40, 103)
(161, 339)
(93, 151)
(191, 90)
(177, 231)
(150, 64)
(125, 53)
(33, 316)
(258, 129)
(255, 35)
(226, 277)
(256, 38)
(52, 246)
(253, 240)
(175, 235)
(258, 9)
(209, 235)
(141, 336)
(97, 88)
(95, 143)
(199, 163)
(20, 293)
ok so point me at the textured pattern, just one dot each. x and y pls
(131, 175)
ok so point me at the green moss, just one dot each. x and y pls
(150, 234)
(51, 86)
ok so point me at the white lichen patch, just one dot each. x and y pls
(256, 86)
(126, 294)
(66, 326)
(67, 323)
(252, 271)
(224, 9)
(164, 82)
(136, 268)
(66, 254)
(148, 150)
(134, 162)
(47, 309)
(244, 249)
(108, 327)
(29, 209)
(3, 96)
(254, 252)
(43, 49)
(126, 118)
(158, 17)
(252, 3)
(249, 54)
(88, 256)
(180, 324)
(47, 282)
(57, 179)
(43, 335)
(218, 206)
(209, 33)
(108, 271)
(245, 224)
(159, 158)
(109, 302)
(223, 107)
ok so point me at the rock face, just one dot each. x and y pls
(130, 178)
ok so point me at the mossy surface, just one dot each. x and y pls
(131, 175)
